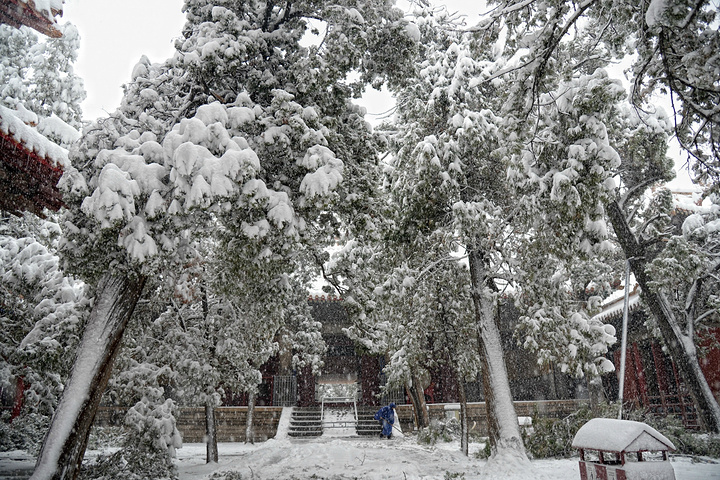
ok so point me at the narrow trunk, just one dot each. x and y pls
(595, 392)
(503, 427)
(420, 407)
(64, 445)
(210, 433)
(464, 434)
(682, 347)
(249, 433)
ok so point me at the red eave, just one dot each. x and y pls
(27, 180)
(16, 13)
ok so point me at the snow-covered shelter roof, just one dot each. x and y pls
(36, 14)
(612, 435)
(30, 166)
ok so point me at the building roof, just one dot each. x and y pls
(36, 14)
(613, 305)
(612, 435)
(30, 167)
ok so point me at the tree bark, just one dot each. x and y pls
(464, 434)
(418, 398)
(249, 431)
(64, 445)
(595, 392)
(681, 346)
(211, 447)
(504, 431)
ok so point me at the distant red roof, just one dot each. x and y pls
(36, 14)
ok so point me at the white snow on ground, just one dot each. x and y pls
(341, 458)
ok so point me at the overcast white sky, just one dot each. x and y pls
(115, 34)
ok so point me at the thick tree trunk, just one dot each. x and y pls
(420, 407)
(65, 442)
(503, 427)
(249, 431)
(682, 347)
(211, 447)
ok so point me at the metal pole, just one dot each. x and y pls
(623, 344)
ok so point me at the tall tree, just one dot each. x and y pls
(671, 41)
(455, 177)
(243, 126)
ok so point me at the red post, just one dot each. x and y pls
(19, 396)
(642, 384)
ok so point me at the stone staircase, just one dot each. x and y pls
(305, 422)
(367, 425)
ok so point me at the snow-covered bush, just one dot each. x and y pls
(147, 450)
(230, 475)
(23, 433)
(41, 312)
(446, 430)
(552, 437)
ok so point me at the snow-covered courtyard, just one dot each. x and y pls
(346, 457)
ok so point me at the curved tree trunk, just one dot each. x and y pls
(504, 431)
(64, 446)
(417, 395)
(681, 346)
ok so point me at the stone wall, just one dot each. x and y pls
(191, 422)
(231, 420)
(477, 417)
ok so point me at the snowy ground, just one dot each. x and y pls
(340, 455)
(341, 458)
(370, 459)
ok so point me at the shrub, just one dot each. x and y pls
(552, 437)
(24, 433)
(440, 430)
(147, 450)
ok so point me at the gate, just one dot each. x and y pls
(284, 390)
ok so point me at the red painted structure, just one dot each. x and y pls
(652, 380)
(17, 12)
(28, 182)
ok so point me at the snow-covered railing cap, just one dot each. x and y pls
(612, 435)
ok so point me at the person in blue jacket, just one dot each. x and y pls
(386, 416)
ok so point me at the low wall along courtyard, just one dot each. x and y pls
(231, 421)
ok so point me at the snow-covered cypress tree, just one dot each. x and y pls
(14, 64)
(243, 126)
(450, 176)
(42, 315)
(672, 42)
(54, 88)
(37, 73)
